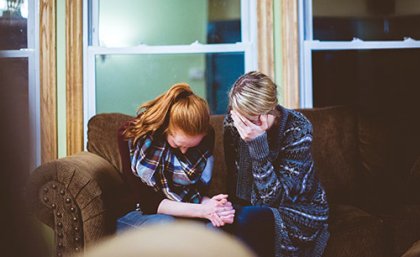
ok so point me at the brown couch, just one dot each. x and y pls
(80, 196)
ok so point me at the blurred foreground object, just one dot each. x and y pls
(186, 239)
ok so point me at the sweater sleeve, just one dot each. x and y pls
(287, 176)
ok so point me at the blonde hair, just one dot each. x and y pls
(253, 93)
(177, 108)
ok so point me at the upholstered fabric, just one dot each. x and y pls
(355, 232)
(218, 183)
(80, 196)
(335, 151)
(103, 136)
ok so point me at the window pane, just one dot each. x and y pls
(125, 23)
(13, 24)
(366, 19)
(15, 112)
(123, 82)
(375, 80)
(384, 86)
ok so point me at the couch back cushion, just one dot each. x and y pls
(103, 136)
(335, 151)
(219, 183)
(335, 148)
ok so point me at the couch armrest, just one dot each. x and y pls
(79, 197)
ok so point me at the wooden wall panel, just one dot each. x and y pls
(290, 43)
(48, 79)
(74, 75)
(265, 37)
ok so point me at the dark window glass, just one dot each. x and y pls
(14, 107)
(366, 19)
(384, 86)
(13, 25)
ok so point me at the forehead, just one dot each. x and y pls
(246, 115)
(183, 140)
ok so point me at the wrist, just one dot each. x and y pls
(258, 147)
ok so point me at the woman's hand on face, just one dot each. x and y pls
(248, 130)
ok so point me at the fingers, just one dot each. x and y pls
(264, 121)
(220, 197)
(216, 220)
(239, 124)
(228, 219)
(226, 213)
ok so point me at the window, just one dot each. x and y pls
(136, 49)
(353, 52)
(19, 76)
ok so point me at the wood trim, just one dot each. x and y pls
(265, 37)
(48, 79)
(290, 53)
(74, 75)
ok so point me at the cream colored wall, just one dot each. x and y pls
(340, 8)
(61, 77)
(224, 10)
(347, 8)
(278, 61)
(407, 7)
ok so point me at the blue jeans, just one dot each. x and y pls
(136, 219)
(254, 225)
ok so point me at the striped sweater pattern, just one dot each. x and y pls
(277, 170)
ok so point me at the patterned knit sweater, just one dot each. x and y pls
(277, 171)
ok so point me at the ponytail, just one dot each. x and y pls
(177, 108)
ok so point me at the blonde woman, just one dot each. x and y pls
(167, 160)
(281, 205)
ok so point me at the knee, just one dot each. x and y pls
(251, 215)
(160, 219)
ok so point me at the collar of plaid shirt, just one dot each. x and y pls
(178, 175)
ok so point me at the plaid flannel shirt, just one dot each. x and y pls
(181, 177)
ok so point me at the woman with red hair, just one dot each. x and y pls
(168, 148)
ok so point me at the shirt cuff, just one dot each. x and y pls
(258, 147)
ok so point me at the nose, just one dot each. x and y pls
(183, 149)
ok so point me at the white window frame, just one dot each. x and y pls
(32, 54)
(247, 46)
(307, 45)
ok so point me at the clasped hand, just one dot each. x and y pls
(218, 210)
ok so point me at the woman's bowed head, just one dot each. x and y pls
(252, 102)
(171, 143)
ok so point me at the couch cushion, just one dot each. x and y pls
(102, 136)
(335, 150)
(404, 220)
(219, 183)
(354, 232)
